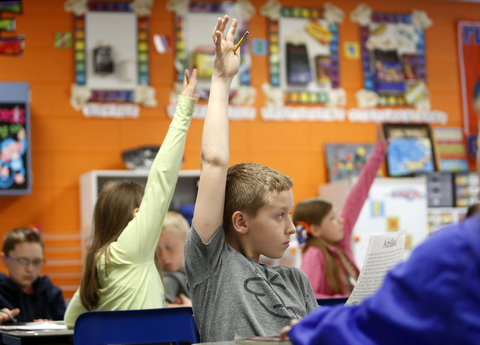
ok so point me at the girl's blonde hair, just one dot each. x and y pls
(313, 211)
(175, 223)
(113, 211)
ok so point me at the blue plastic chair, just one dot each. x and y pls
(147, 326)
(326, 302)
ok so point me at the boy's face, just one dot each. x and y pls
(24, 275)
(169, 252)
(270, 230)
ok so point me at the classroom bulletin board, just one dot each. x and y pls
(15, 147)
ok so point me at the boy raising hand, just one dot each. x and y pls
(240, 213)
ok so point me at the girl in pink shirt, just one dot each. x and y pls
(327, 257)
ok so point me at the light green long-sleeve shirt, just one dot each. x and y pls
(133, 281)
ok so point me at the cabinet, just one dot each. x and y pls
(92, 181)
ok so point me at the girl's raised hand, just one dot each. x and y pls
(226, 62)
(381, 135)
(190, 84)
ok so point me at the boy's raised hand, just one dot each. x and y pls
(190, 84)
(226, 62)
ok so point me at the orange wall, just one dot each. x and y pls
(66, 145)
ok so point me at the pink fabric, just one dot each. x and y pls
(313, 263)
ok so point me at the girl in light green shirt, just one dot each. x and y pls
(120, 271)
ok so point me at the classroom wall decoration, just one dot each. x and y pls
(304, 53)
(346, 160)
(63, 40)
(12, 45)
(410, 149)
(394, 68)
(15, 170)
(194, 48)
(393, 58)
(466, 188)
(303, 64)
(450, 151)
(111, 52)
(468, 35)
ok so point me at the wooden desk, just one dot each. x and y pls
(58, 337)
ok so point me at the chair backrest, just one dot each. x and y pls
(147, 326)
(325, 302)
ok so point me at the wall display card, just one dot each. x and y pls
(383, 253)
(11, 6)
(393, 56)
(410, 150)
(111, 52)
(304, 53)
(15, 147)
(437, 220)
(468, 36)
(346, 160)
(8, 24)
(194, 47)
(467, 188)
(450, 149)
(12, 45)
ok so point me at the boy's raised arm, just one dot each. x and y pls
(208, 214)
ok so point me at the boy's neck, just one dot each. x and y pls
(235, 242)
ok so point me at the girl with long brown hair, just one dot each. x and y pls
(120, 271)
(327, 256)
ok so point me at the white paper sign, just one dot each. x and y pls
(384, 251)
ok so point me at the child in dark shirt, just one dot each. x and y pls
(24, 293)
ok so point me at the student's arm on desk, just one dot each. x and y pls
(74, 309)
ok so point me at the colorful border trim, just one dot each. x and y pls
(367, 57)
(274, 59)
(143, 49)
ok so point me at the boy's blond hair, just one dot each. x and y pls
(251, 186)
(175, 223)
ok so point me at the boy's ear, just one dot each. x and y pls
(2, 258)
(239, 222)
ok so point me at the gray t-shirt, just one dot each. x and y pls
(175, 284)
(232, 295)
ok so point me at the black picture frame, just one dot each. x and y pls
(411, 149)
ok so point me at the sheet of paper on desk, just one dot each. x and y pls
(384, 251)
(33, 326)
(275, 340)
